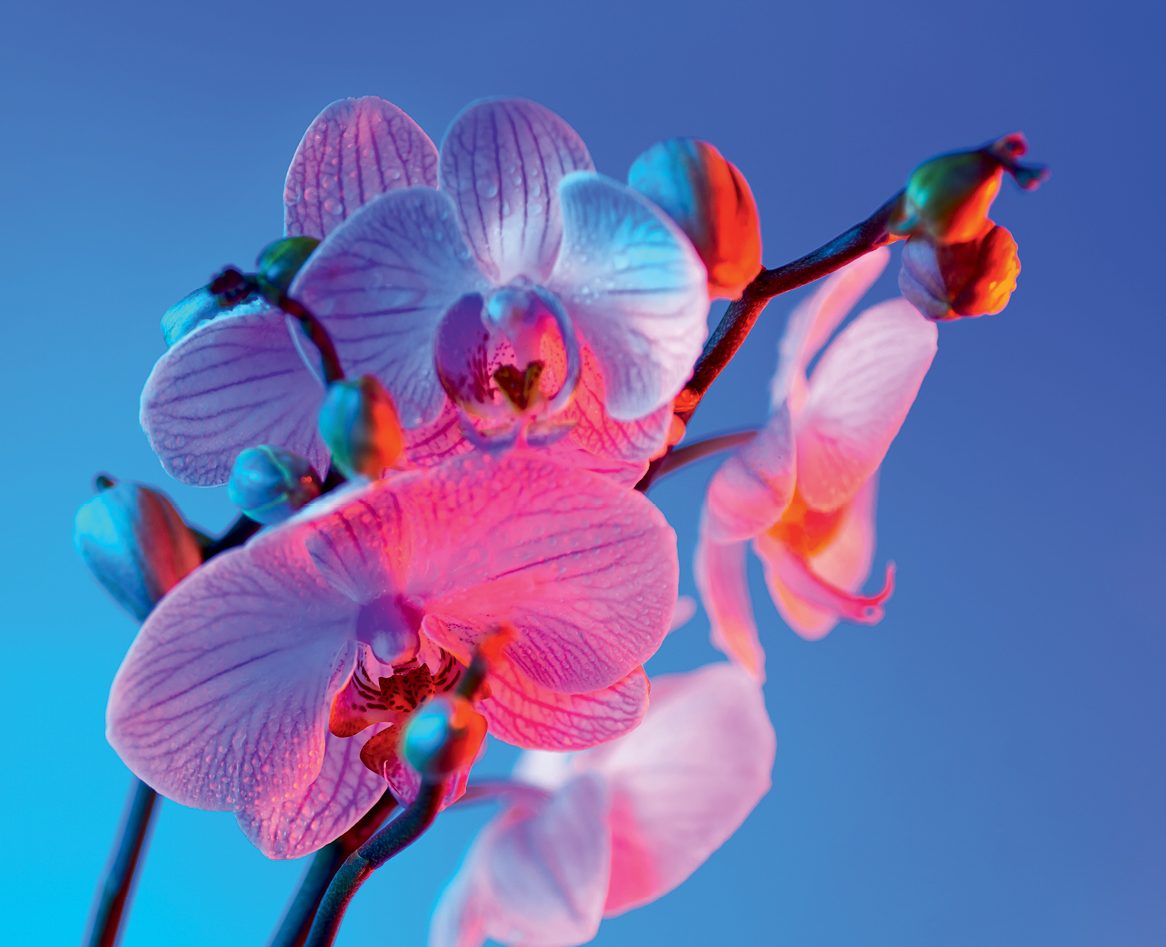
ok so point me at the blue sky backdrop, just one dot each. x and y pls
(985, 766)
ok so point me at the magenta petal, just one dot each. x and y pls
(381, 282)
(636, 290)
(354, 150)
(721, 579)
(527, 715)
(583, 569)
(859, 396)
(235, 382)
(501, 162)
(223, 699)
(684, 781)
(299, 823)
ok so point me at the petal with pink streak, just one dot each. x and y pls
(859, 396)
(380, 284)
(751, 489)
(814, 320)
(723, 584)
(583, 569)
(298, 823)
(438, 441)
(812, 596)
(636, 289)
(222, 701)
(527, 715)
(501, 162)
(536, 877)
(683, 782)
(354, 150)
(235, 382)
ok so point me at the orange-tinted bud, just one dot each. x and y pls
(711, 202)
(954, 280)
(359, 423)
(443, 737)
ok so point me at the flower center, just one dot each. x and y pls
(805, 530)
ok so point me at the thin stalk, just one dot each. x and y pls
(690, 453)
(115, 893)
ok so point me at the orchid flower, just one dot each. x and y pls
(275, 680)
(603, 831)
(501, 291)
(804, 489)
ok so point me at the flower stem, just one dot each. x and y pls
(314, 329)
(690, 453)
(114, 895)
(409, 826)
(297, 920)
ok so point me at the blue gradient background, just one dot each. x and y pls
(984, 767)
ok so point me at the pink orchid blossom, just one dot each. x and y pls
(274, 681)
(804, 489)
(501, 290)
(610, 829)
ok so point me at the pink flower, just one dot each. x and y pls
(618, 826)
(273, 682)
(501, 289)
(804, 489)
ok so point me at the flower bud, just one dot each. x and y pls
(710, 201)
(359, 424)
(280, 261)
(269, 483)
(136, 544)
(443, 737)
(952, 280)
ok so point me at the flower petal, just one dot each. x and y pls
(636, 290)
(537, 877)
(859, 396)
(527, 715)
(751, 489)
(501, 162)
(354, 150)
(380, 284)
(582, 568)
(304, 821)
(812, 595)
(721, 580)
(684, 781)
(222, 701)
(235, 382)
(437, 442)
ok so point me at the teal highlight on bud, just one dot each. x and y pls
(359, 423)
(135, 543)
(281, 260)
(443, 737)
(269, 484)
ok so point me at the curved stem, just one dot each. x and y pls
(297, 919)
(317, 334)
(114, 894)
(690, 453)
(409, 826)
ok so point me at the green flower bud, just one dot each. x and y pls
(136, 544)
(443, 737)
(269, 483)
(359, 423)
(280, 261)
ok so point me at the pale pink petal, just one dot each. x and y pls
(521, 712)
(721, 580)
(380, 284)
(859, 396)
(233, 383)
(810, 604)
(751, 489)
(814, 320)
(583, 569)
(298, 823)
(636, 289)
(354, 150)
(683, 613)
(683, 782)
(501, 162)
(223, 699)
(536, 877)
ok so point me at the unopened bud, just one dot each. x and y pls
(359, 424)
(954, 280)
(280, 261)
(709, 199)
(136, 544)
(443, 737)
(269, 483)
